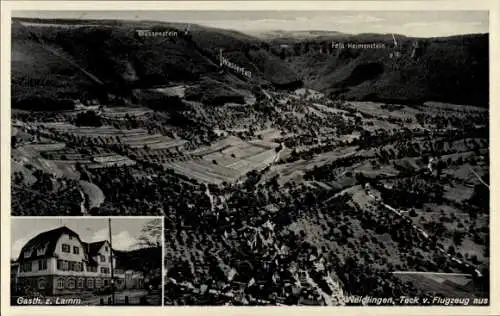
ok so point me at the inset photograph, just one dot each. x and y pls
(86, 261)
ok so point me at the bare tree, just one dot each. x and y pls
(151, 234)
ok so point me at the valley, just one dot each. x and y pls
(279, 189)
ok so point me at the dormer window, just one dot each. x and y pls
(28, 252)
(41, 251)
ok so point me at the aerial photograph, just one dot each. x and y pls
(313, 158)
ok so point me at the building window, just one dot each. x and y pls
(65, 265)
(80, 283)
(70, 237)
(91, 268)
(28, 252)
(90, 283)
(71, 283)
(26, 267)
(66, 248)
(106, 249)
(104, 270)
(41, 284)
(60, 284)
(76, 250)
(42, 264)
(98, 283)
(102, 258)
(40, 251)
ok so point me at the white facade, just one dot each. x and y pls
(72, 255)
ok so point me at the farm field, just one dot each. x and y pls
(203, 171)
(377, 110)
(134, 138)
(111, 160)
(227, 160)
(122, 112)
(328, 109)
(441, 106)
(269, 134)
(57, 158)
(173, 90)
(29, 158)
(294, 170)
(445, 284)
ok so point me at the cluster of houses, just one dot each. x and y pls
(291, 284)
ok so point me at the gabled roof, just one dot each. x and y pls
(49, 239)
(93, 248)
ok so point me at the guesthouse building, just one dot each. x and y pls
(58, 262)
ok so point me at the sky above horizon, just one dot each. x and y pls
(125, 231)
(410, 23)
